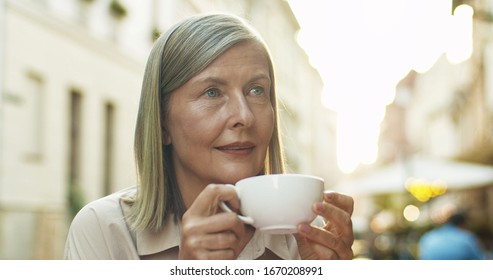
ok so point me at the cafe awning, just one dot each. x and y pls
(393, 178)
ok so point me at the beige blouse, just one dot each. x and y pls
(99, 231)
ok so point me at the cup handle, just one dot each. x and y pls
(225, 208)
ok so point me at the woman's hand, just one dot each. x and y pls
(209, 233)
(334, 240)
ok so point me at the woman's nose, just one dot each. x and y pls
(240, 112)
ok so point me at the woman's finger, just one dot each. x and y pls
(211, 242)
(326, 240)
(221, 241)
(341, 201)
(212, 237)
(213, 224)
(226, 254)
(338, 221)
(323, 252)
(207, 202)
(206, 254)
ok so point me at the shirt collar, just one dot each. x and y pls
(283, 246)
(149, 242)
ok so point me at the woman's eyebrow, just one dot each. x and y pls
(260, 76)
(217, 80)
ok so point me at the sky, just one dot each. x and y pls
(362, 49)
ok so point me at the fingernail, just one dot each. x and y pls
(304, 228)
(329, 195)
(319, 207)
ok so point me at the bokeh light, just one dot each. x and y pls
(411, 213)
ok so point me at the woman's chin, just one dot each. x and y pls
(234, 177)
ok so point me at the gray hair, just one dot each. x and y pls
(177, 56)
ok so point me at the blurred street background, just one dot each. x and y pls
(390, 101)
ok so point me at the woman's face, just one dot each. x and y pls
(221, 121)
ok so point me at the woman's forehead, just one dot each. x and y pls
(248, 56)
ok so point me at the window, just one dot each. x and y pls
(108, 146)
(74, 135)
(75, 193)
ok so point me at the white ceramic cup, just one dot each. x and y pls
(278, 203)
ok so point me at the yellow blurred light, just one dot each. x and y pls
(424, 190)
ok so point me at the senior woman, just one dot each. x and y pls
(207, 118)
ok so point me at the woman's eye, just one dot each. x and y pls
(211, 93)
(257, 91)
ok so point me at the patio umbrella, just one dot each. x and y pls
(392, 178)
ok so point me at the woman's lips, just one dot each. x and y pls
(237, 148)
